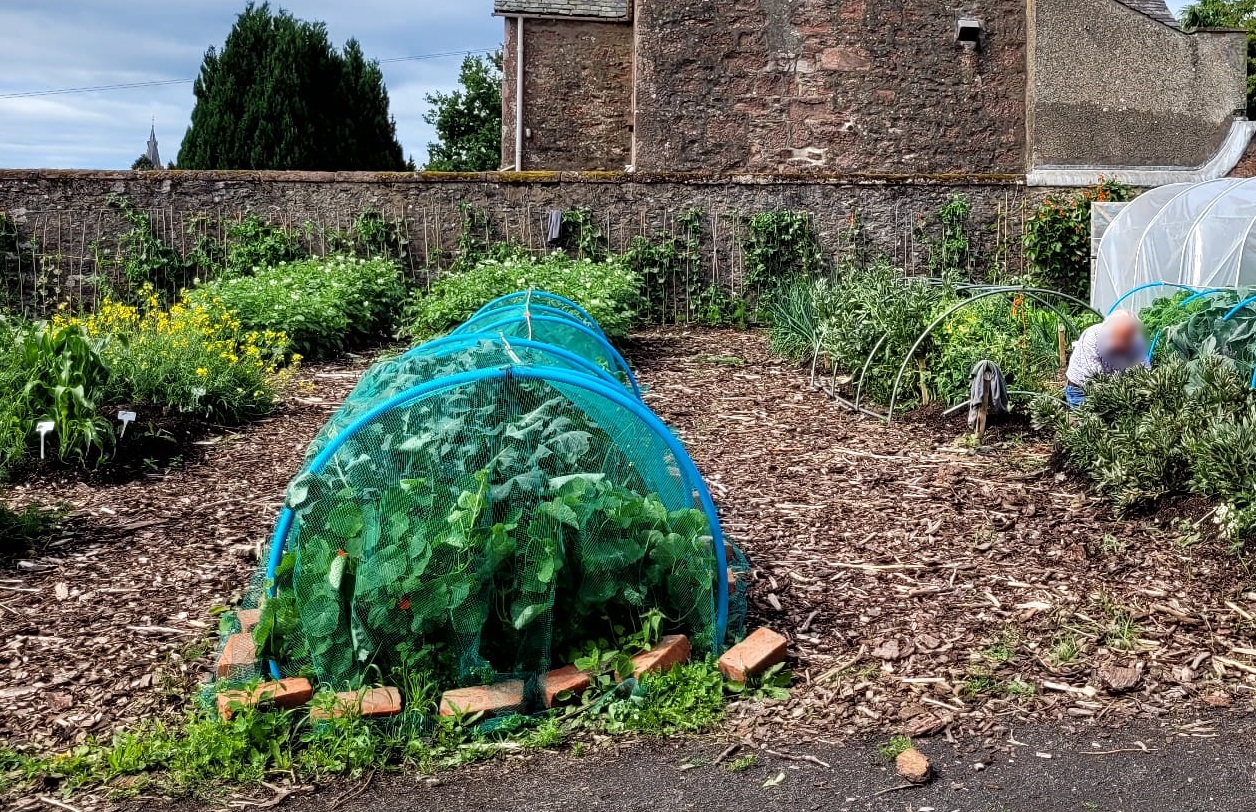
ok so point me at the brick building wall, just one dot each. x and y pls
(577, 94)
(869, 85)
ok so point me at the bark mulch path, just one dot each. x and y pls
(111, 622)
(924, 587)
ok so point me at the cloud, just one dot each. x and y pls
(86, 43)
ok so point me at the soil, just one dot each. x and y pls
(926, 587)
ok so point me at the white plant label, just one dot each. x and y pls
(127, 419)
(43, 428)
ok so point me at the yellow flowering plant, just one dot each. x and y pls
(193, 358)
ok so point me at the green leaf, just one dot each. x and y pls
(525, 615)
(345, 521)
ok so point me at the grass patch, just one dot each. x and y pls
(1003, 649)
(19, 529)
(1067, 648)
(201, 755)
(740, 765)
(893, 748)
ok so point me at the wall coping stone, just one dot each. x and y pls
(516, 178)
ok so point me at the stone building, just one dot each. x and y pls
(1059, 91)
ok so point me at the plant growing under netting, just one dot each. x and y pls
(482, 508)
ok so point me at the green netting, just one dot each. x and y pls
(489, 315)
(550, 301)
(480, 510)
(560, 330)
(439, 359)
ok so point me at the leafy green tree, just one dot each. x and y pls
(143, 163)
(1229, 14)
(468, 121)
(280, 96)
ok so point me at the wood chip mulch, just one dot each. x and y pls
(110, 622)
(927, 586)
(923, 586)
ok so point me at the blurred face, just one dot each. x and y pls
(1122, 335)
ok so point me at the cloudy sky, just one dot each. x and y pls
(58, 44)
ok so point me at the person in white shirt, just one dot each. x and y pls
(1114, 345)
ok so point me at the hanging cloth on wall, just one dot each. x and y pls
(554, 226)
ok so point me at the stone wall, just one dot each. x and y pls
(867, 85)
(577, 102)
(1113, 87)
(67, 212)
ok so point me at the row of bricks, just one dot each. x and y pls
(295, 692)
(758, 652)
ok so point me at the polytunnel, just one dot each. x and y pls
(1196, 236)
(485, 507)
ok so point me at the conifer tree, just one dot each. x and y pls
(278, 95)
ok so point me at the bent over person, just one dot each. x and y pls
(1110, 347)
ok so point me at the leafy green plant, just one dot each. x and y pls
(1057, 237)
(65, 377)
(323, 306)
(669, 265)
(492, 532)
(145, 259)
(1180, 427)
(951, 252)
(20, 528)
(779, 246)
(253, 244)
(608, 290)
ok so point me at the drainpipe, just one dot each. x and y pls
(518, 94)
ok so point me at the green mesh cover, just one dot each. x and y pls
(537, 298)
(488, 529)
(565, 332)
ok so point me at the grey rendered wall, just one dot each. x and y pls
(1110, 86)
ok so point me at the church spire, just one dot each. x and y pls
(153, 155)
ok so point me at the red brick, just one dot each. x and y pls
(567, 678)
(376, 702)
(500, 696)
(760, 651)
(239, 653)
(248, 618)
(671, 650)
(285, 693)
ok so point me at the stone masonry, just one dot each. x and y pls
(893, 86)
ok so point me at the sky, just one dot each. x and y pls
(60, 44)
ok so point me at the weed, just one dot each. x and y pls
(1110, 545)
(1066, 648)
(740, 765)
(978, 684)
(1122, 632)
(1018, 688)
(1003, 649)
(894, 747)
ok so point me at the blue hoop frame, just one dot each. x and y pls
(529, 295)
(612, 353)
(456, 341)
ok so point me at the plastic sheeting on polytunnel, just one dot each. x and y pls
(1193, 235)
(481, 509)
